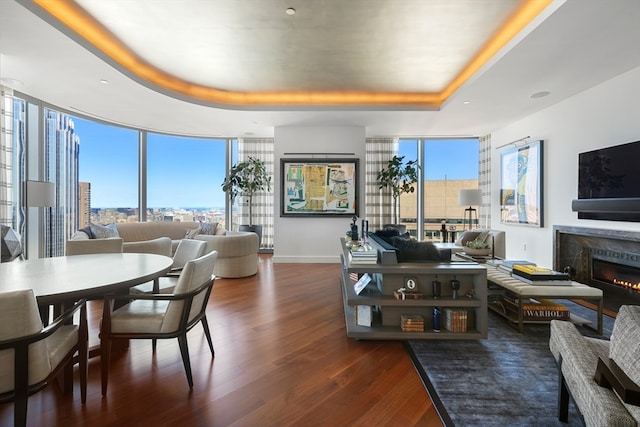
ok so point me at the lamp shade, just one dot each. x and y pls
(40, 193)
(470, 197)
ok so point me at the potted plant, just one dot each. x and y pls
(400, 176)
(245, 179)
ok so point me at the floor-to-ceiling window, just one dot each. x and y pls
(447, 166)
(184, 179)
(107, 173)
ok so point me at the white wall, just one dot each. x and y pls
(608, 114)
(314, 240)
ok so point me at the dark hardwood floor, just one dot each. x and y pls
(282, 359)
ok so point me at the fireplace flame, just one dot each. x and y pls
(627, 284)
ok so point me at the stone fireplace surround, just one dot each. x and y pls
(577, 247)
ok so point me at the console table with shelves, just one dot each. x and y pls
(387, 309)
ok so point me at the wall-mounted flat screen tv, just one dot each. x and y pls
(610, 173)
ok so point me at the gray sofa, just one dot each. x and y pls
(585, 366)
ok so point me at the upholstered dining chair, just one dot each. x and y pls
(93, 246)
(30, 355)
(187, 250)
(159, 316)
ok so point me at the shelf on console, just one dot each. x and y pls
(388, 277)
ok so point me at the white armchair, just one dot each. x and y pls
(30, 355)
(159, 316)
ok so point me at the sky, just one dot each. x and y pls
(445, 158)
(181, 172)
(188, 172)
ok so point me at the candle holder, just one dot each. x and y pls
(455, 286)
(436, 288)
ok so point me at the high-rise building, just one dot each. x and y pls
(61, 167)
(84, 204)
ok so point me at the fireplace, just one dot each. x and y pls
(606, 259)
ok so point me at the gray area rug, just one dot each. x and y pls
(509, 379)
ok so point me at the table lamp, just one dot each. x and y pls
(40, 194)
(469, 198)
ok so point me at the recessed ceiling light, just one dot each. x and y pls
(104, 81)
(540, 94)
(11, 82)
(290, 11)
(466, 102)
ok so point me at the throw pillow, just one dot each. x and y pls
(104, 231)
(88, 232)
(467, 236)
(208, 228)
(389, 233)
(192, 233)
(482, 237)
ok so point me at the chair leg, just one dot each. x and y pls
(83, 353)
(205, 326)
(20, 411)
(105, 343)
(105, 360)
(184, 351)
(21, 390)
(563, 396)
(154, 345)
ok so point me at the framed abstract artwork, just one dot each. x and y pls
(316, 187)
(521, 185)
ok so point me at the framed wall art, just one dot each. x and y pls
(316, 187)
(521, 185)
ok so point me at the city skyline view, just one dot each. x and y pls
(187, 173)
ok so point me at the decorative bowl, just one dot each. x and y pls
(477, 252)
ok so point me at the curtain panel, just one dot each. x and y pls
(484, 180)
(6, 157)
(378, 206)
(263, 204)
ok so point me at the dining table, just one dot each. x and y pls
(64, 279)
(59, 282)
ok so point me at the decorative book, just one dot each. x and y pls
(535, 273)
(541, 309)
(412, 323)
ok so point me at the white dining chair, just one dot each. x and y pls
(30, 355)
(161, 316)
(187, 250)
